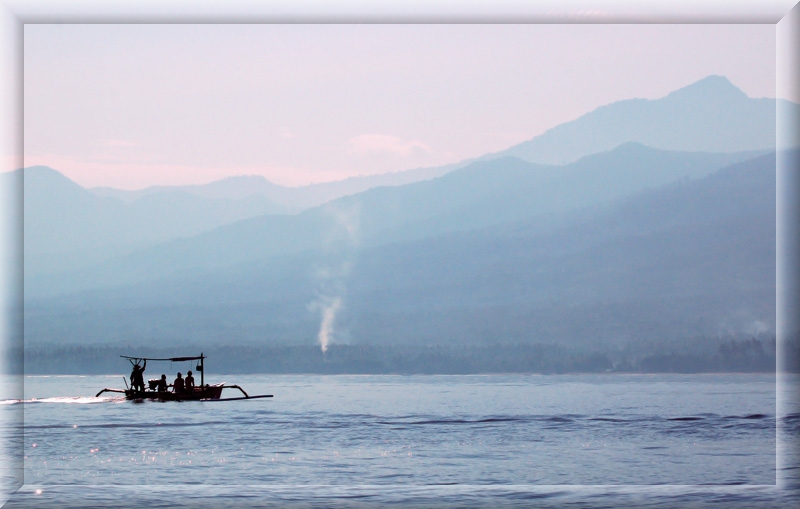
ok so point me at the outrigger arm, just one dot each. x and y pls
(239, 398)
(109, 390)
(236, 387)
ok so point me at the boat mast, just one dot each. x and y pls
(202, 370)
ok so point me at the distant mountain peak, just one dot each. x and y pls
(709, 115)
(46, 174)
(632, 146)
(43, 170)
(711, 86)
(245, 178)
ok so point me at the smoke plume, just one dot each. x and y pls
(334, 269)
(326, 325)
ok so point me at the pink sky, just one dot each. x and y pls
(130, 106)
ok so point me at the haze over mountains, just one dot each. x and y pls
(694, 257)
(482, 194)
(69, 228)
(661, 225)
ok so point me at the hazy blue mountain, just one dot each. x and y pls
(482, 194)
(231, 188)
(624, 244)
(67, 226)
(489, 192)
(710, 115)
(693, 258)
(688, 258)
(284, 200)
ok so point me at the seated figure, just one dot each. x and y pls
(162, 384)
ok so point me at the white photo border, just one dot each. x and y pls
(14, 14)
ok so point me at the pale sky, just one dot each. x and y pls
(130, 106)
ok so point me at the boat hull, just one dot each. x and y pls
(198, 393)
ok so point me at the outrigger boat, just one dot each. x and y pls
(203, 392)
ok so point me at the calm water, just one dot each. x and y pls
(341, 441)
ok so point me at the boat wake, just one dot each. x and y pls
(72, 400)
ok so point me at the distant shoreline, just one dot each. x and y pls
(716, 355)
(612, 373)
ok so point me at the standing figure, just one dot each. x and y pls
(189, 382)
(177, 385)
(137, 376)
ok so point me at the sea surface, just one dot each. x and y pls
(611, 440)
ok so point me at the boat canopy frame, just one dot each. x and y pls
(199, 367)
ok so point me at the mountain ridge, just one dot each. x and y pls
(750, 127)
(481, 194)
(708, 115)
(690, 258)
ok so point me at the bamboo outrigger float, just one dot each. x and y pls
(202, 392)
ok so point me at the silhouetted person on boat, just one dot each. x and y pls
(137, 377)
(162, 384)
(178, 385)
(189, 382)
